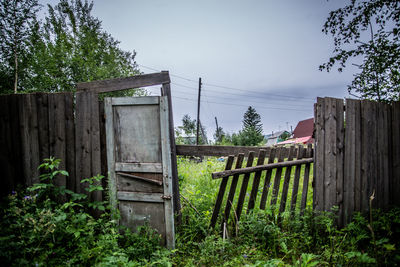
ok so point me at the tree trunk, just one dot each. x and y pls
(16, 72)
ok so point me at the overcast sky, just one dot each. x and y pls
(256, 53)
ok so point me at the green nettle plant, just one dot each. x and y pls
(37, 229)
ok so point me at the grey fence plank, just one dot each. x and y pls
(70, 141)
(43, 125)
(232, 189)
(95, 142)
(319, 162)
(301, 153)
(285, 187)
(166, 90)
(267, 180)
(395, 181)
(243, 189)
(57, 132)
(306, 180)
(256, 181)
(352, 143)
(330, 161)
(124, 83)
(221, 192)
(277, 180)
(339, 157)
(82, 141)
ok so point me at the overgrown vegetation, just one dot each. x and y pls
(37, 230)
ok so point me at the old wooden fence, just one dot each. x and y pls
(357, 155)
(275, 169)
(68, 127)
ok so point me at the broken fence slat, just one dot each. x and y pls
(217, 175)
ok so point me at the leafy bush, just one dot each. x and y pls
(39, 230)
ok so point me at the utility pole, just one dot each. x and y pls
(198, 114)
(217, 131)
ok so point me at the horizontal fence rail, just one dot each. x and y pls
(225, 151)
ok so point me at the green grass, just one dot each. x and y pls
(36, 230)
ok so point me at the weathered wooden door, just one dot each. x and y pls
(139, 162)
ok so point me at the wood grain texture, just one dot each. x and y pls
(306, 181)
(267, 180)
(277, 179)
(395, 178)
(319, 170)
(279, 164)
(221, 193)
(243, 189)
(232, 189)
(256, 181)
(300, 154)
(285, 187)
(118, 84)
(166, 89)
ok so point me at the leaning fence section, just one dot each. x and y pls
(357, 155)
(268, 183)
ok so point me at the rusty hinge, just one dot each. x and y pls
(166, 197)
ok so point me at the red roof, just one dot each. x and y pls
(304, 128)
(300, 140)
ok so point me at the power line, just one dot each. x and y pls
(233, 99)
(231, 88)
(241, 95)
(303, 110)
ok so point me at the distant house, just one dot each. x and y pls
(274, 138)
(302, 134)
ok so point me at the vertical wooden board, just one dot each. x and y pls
(167, 172)
(372, 155)
(232, 189)
(384, 148)
(388, 165)
(286, 181)
(103, 145)
(82, 139)
(166, 88)
(339, 153)
(43, 122)
(330, 153)
(221, 192)
(277, 180)
(295, 189)
(306, 180)
(16, 135)
(367, 148)
(24, 110)
(112, 184)
(34, 139)
(256, 181)
(319, 157)
(57, 133)
(395, 178)
(350, 159)
(243, 188)
(70, 141)
(95, 142)
(267, 181)
(6, 182)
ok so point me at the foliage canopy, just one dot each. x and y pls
(368, 32)
(67, 47)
